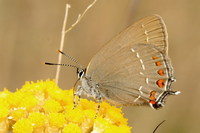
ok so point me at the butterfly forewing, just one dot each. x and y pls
(149, 30)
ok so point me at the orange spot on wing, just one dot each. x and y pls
(152, 102)
(152, 97)
(160, 83)
(158, 63)
(161, 72)
(154, 57)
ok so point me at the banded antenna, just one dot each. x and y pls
(71, 58)
(69, 65)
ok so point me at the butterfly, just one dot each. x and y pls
(133, 68)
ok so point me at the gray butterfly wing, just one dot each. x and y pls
(151, 30)
(120, 67)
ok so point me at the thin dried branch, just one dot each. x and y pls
(62, 42)
(80, 16)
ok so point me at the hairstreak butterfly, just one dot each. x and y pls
(131, 69)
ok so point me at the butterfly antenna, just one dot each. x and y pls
(158, 126)
(69, 65)
(71, 58)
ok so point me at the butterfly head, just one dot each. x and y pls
(81, 72)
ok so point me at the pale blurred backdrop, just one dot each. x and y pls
(30, 35)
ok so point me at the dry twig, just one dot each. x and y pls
(63, 33)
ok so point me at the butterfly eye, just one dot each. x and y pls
(81, 73)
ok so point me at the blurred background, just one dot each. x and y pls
(30, 33)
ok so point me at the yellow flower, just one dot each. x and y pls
(56, 119)
(4, 111)
(52, 106)
(72, 128)
(38, 119)
(18, 113)
(42, 107)
(23, 126)
(28, 102)
(74, 115)
(117, 129)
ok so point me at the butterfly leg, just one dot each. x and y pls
(99, 100)
(77, 93)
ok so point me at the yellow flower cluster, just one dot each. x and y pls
(42, 107)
